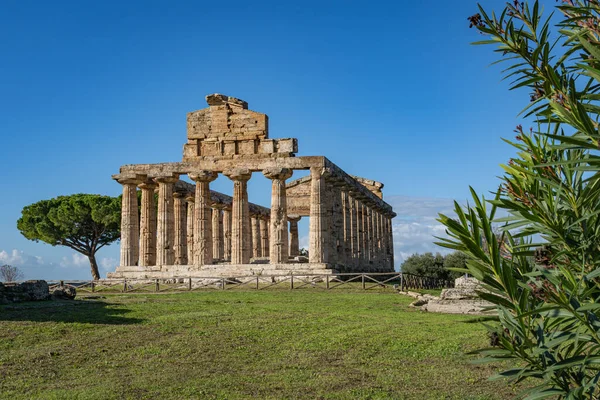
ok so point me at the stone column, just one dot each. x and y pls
(391, 244)
(217, 231)
(227, 234)
(166, 220)
(264, 236)
(240, 216)
(294, 240)
(347, 245)
(190, 229)
(278, 252)
(147, 225)
(256, 241)
(353, 230)
(360, 234)
(318, 232)
(130, 226)
(365, 237)
(337, 224)
(369, 236)
(381, 252)
(203, 251)
(180, 228)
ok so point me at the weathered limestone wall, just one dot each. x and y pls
(228, 130)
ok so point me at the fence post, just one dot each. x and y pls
(222, 283)
(362, 278)
(124, 285)
(156, 285)
(327, 282)
(291, 281)
(257, 281)
(93, 286)
(62, 284)
(189, 283)
(401, 282)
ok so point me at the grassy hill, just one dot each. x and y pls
(238, 345)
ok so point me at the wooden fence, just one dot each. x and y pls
(366, 281)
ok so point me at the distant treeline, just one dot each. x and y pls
(436, 265)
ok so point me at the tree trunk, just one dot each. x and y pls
(94, 266)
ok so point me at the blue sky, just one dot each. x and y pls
(391, 91)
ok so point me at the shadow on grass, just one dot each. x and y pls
(82, 311)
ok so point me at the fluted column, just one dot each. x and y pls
(256, 242)
(217, 231)
(369, 235)
(360, 237)
(227, 234)
(264, 236)
(337, 224)
(166, 220)
(278, 252)
(353, 230)
(130, 228)
(319, 232)
(347, 245)
(190, 229)
(203, 247)
(147, 255)
(294, 240)
(180, 229)
(381, 240)
(249, 239)
(390, 244)
(240, 216)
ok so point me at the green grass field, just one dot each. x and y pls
(241, 344)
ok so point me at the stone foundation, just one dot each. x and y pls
(220, 270)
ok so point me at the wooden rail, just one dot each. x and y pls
(396, 281)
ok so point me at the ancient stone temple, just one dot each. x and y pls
(188, 230)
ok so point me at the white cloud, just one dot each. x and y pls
(415, 225)
(108, 264)
(76, 260)
(303, 242)
(19, 258)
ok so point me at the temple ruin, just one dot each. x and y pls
(192, 231)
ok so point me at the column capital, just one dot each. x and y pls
(128, 178)
(147, 184)
(179, 195)
(166, 179)
(238, 174)
(190, 198)
(294, 218)
(218, 206)
(129, 181)
(278, 173)
(203, 176)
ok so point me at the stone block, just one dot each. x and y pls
(287, 145)
(210, 148)
(246, 147)
(229, 147)
(198, 124)
(190, 150)
(266, 146)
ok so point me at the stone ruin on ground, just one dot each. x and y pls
(462, 299)
(34, 290)
(196, 232)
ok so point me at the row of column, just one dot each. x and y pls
(346, 227)
(191, 230)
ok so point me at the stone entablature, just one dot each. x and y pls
(200, 231)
